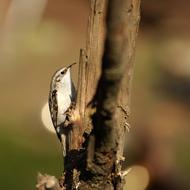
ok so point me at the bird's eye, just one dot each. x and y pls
(63, 72)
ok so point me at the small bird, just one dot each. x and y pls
(62, 95)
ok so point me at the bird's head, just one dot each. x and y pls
(62, 75)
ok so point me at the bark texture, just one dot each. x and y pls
(98, 121)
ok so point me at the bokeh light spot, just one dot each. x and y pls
(46, 118)
(137, 178)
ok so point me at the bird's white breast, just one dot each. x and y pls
(63, 102)
(64, 94)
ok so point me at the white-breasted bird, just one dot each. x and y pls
(62, 94)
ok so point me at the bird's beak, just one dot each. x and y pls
(71, 65)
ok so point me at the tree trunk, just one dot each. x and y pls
(98, 122)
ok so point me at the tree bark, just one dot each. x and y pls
(98, 121)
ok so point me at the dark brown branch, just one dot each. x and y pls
(94, 46)
(121, 27)
(113, 69)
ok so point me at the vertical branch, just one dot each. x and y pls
(89, 70)
(80, 103)
(121, 23)
(90, 67)
(132, 18)
(94, 46)
(113, 89)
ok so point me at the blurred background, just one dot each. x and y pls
(40, 36)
